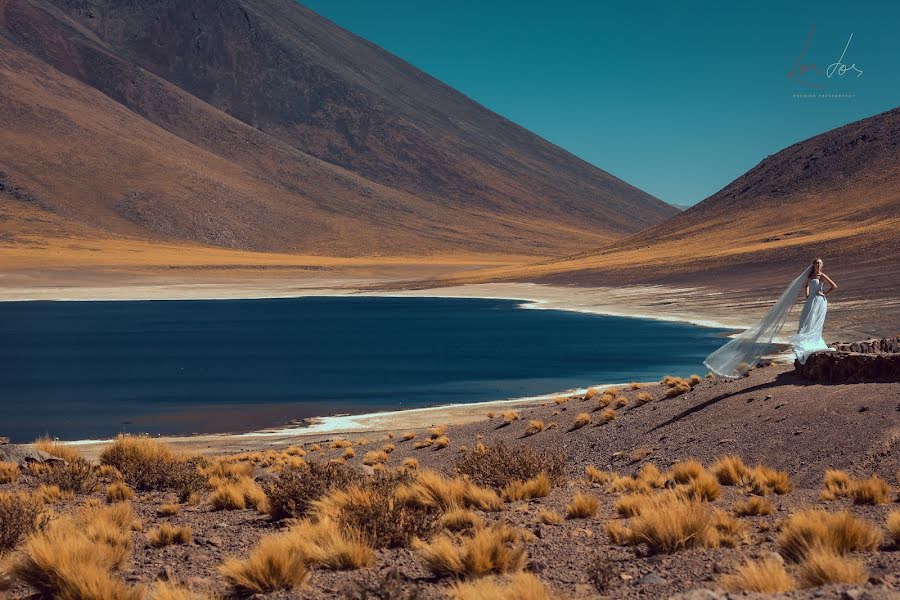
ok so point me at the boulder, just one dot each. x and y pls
(22, 455)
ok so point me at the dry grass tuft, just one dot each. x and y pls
(375, 457)
(19, 516)
(57, 449)
(410, 463)
(606, 415)
(704, 487)
(643, 398)
(409, 435)
(274, 564)
(618, 533)
(669, 522)
(595, 475)
(295, 489)
(731, 532)
(731, 470)
(510, 416)
(753, 506)
(582, 506)
(348, 453)
(591, 393)
(164, 590)
(9, 472)
(494, 549)
(168, 510)
(822, 566)
(461, 519)
(839, 532)
(893, 525)
(686, 471)
(873, 490)
(422, 444)
(534, 426)
(433, 489)
(837, 484)
(764, 480)
(389, 448)
(238, 495)
(580, 421)
(147, 464)
(521, 586)
(630, 505)
(51, 494)
(765, 576)
(652, 475)
(118, 492)
(337, 444)
(549, 517)
(537, 487)
(441, 442)
(620, 484)
(167, 535)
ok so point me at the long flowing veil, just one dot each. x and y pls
(742, 352)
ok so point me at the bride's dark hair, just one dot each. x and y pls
(812, 270)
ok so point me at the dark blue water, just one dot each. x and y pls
(87, 369)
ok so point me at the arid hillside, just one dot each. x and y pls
(261, 126)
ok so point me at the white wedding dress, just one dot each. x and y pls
(812, 319)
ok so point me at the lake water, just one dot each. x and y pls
(88, 369)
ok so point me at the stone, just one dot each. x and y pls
(651, 579)
(700, 594)
(3, 440)
(871, 360)
(537, 566)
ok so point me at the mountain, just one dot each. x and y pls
(835, 195)
(259, 125)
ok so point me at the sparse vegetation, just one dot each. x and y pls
(580, 421)
(669, 522)
(837, 484)
(595, 475)
(433, 489)
(548, 517)
(893, 526)
(765, 576)
(499, 465)
(606, 415)
(824, 566)
(147, 464)
(764, 480)
(51, 494)
(461, 519)
(521, 586)
(295, 489)
(686, 471)
(873, 490)
(374, 457)
(534, 426)
(273, 564)
(731, 470)
(76, 476)
(118, 492)
(643, 398)
(409, 435)
(582, 506)
(839, 532)
(167, 535)
(537, 487)
(410, 463)
(19, 515)
(57, 449)
(510, 416)
(168, 510)
(494, 549)
(754, 506)
(441, 442)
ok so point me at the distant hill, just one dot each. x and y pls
(260, 125)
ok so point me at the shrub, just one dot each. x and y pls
(537, 487)
(893, 525)
(375, 457)
(651, 475)
(274, 564)
(292, 493)
(510, 416)
(9, 472)
(166, 535)
(753, 506)
(390, 585)
(764, 480)
(838, 532)
(422, 444)
(620, 402)
(19, 516)
(441, 442)
(837, 484)
(147, 464)
(74, 476)
(765, 576)
(521, 586)
(686, 471)
(822, 566)
(606, 415)
(409, 435)
(668, 523)
(348, 453)
(731, 470)
(168, 510)
(434, 490)
(118, 492)
(678, 389)
(643, 398)
(57, 449)
(51, 494)
(595, 475)
(336, 444)
(534, 426)
(703, 487)
(326, 544)
(494, 549)
(377, 515)
(410, 463)
(580, 421)
(873, 490)
(389, 448)
(548, 517)
(582, 506)
(461, 519)
(499, 465)
(591, 393)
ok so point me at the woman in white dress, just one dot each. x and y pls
(812, 317)
(741, 353)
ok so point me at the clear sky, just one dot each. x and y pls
(677, 98)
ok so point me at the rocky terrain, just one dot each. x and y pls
(599, 445)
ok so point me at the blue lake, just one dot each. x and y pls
(89, 369)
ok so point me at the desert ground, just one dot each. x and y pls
(610, 502)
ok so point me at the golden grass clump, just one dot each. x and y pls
(621, 484)
(409, 435)
(437, 431)
(754, 506)
(273, 564)
(582, 506)
(318, 448)
(606, 415)
(668, 522)
(494, 549)
(168, 510)
(534, 426)
(630, 505)
(9, 472)
(375, 457)
(538, 487)
(837, 484)
(731, 470)
(510, 416)
(704, 487)
(389, 448)
(580, 421)
(461, 519)
(822, 566)
(643, 398)
(549, 517)
(410, 463)
(651, 475)
(73, 557)
(422, 444)
(441, 442)
(51, 494)
(765, 576)
(348, 453)
(839, 532)
(167, 535)
(57, 449)
(433, 489)
(337, 444)
(295, 451)
(165, 590)
(595, 475)
(620, 402)
(239, 495)
(686, 471)
(765, 480)
(676, 386)
(118, 492)
(618, 533)
(873, 490)
(521, 586)
(591, 393)
(731, 532)
(893, 525)
(491, 414)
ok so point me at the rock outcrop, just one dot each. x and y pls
(869, 360)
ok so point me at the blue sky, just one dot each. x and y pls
(677, 98)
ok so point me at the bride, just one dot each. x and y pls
(740, 354)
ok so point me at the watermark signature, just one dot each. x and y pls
(812, 76)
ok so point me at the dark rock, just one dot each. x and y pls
(651, 579)
(872, 360)
(537, 566)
